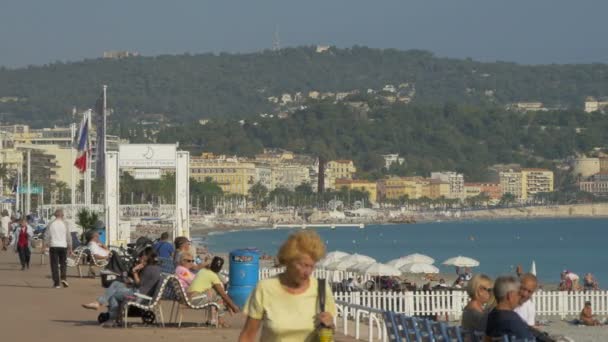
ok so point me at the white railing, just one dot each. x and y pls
(417, 303)
(430, 303)
(360, 322)
(333, 276)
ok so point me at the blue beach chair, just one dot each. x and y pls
(392, 327)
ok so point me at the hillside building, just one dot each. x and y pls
(455, 181)
(359, 184)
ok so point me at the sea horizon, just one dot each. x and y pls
(499, 245)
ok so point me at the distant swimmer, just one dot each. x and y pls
(472, 238)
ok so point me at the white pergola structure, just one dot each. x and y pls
(146, 162)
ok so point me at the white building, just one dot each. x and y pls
(593, 105)
(390, 159)
(289, 176)
(263, 175)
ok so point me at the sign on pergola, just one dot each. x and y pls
(146, 161)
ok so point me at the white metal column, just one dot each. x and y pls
(182, 194)
(28, 199)
(112, 199)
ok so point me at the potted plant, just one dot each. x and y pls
(87, 220)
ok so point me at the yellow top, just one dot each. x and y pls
(204, 280)
(287, 317)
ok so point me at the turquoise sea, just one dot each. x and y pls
(579, 245)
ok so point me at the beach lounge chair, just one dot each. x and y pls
(147, 307)
(81, 256)
(181, 297)
(392, 327)
(438, 332)
(410, 328)
(167, 265)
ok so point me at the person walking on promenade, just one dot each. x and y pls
(57, 237)
(5, 223)
(287, 307)
(22, 237)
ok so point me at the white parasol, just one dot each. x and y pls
(378, 269)
(350, 261)
(411, 259)
(461, 261)
(419, 268)
(331, 258)
(360, 267)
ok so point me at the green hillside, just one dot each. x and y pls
(188, 87)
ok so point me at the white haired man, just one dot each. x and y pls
(526, 309)
(57, 237)
(503, 320)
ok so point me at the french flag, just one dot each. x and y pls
(83, 145)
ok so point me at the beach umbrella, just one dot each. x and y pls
(411, 259)
(419, 268)
(360, 267)
(533, 268)
(461, 261)
(378, 269)
(331, 258)
(350, 261)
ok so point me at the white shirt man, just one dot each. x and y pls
(526, 309)
(527, 312)
(5, 223)
(57, 237)
(97, 251)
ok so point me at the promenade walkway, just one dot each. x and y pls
(31, 310)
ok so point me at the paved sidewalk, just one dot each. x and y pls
(30, 310)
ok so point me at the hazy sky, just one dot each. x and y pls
(526, 31)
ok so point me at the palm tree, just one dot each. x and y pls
(87, 220)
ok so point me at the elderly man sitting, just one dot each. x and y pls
(503, 320)
(98, 250)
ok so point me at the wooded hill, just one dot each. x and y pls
(191, 87)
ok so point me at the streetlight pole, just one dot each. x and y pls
(28, 199)
(73, 174)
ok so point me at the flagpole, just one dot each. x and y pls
(73, 175)
(105, 143)
(28, 199)
(17, 194)
(87, 182)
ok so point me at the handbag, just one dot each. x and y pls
(326, 334)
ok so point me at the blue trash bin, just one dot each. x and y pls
(102, 235)
(244, 273)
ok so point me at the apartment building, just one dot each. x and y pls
(359, 184)
(233, 176)
(535, 181)
(339, 169)
(455, 181)
(289, 176)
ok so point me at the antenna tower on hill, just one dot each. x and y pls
(276, 41)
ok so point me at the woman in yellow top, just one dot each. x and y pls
(287, 306)
(208, 283)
